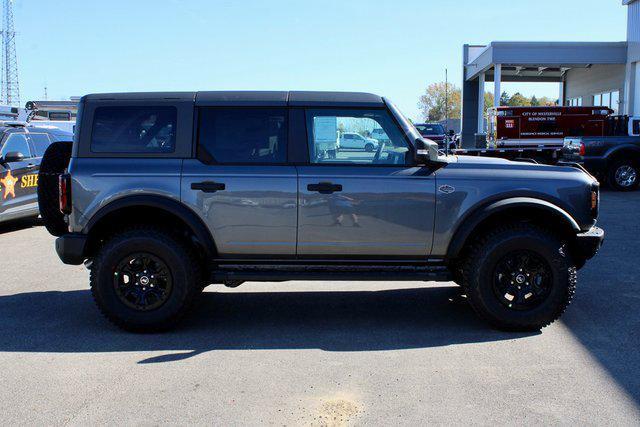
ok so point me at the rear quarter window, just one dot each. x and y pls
(41, 142)
(130, 129)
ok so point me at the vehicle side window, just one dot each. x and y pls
(60, 115)
(134, 130)
(16, 142)
(327, 128)
(41, 142)
(243, 135)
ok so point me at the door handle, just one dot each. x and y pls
(31, 166)
(324, 187)
(207, 186)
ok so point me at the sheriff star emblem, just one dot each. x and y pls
(9, 183)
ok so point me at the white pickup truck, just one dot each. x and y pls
(355, 141)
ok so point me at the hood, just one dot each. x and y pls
(519, 169)
(434, 137)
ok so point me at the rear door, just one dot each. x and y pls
(363, 204)
(39, 144)
(19, 180)
(240, 183)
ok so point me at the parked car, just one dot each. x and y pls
(437, 133)
(158, 209)
(355, 141)
(21, 151)
(614, 159)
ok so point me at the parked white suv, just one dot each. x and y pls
(352, 140)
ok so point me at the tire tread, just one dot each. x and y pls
(470, 277)
(190, 264)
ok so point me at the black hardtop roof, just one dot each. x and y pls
(251, 98)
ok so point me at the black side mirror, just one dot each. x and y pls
(452, 132)
(13, 156)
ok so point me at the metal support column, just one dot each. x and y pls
(497, 77)
(481, 79)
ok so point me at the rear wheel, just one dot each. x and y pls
(624, 175)
(54, 163)
(519, 277)
(145, 279)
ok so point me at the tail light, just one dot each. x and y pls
(65, 193)
(582, 149)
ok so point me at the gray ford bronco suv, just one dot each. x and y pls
(162, 194)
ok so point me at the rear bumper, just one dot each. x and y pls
(71, 248)
(588, 243)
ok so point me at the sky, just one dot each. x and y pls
(391, 48)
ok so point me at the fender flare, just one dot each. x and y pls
(190, 218)
(477, 216)
(617, 149)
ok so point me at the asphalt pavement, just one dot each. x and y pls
(320, 353)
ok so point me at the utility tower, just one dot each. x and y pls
(10, 86)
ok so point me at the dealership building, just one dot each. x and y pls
(587, 73)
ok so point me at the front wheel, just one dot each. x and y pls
(369, 147)
(624, 175)
(145, 279)
(519, 278)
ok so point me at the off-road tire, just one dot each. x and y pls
(54, 163)
(613, 170)
(177, 255)
(479, 270)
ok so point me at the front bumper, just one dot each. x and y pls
(71, 248)
(588, 243)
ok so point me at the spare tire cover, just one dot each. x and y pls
(54, 163)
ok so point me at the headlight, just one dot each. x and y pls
(595, 200)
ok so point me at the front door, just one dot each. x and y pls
(364, 204)
(240, 183)
(18, 178)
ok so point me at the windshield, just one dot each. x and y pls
(430, 129)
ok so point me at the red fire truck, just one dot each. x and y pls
(538, 132)
(536, 126)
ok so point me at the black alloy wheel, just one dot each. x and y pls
(522, 280)
(142, 281)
